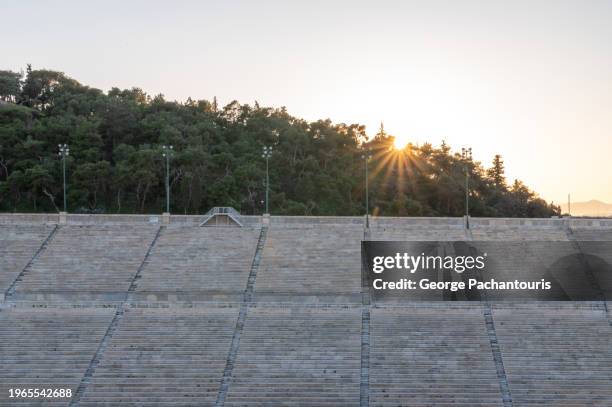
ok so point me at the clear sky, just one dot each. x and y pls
(530, 80)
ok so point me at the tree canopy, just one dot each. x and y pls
(317, 168)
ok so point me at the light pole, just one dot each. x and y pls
(166, 153)
(267, 153)
(366, 158)
(466, 154)
(64, 151)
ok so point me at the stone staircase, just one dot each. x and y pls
(18, 244)
(47, 348)
(204, 262)
(86, 262)
(593, 234)
(556, 357)
(298, 357)
(518, 233)
(416, 229)
(595, 242)
(523, 260)
(431, 357)
(91, 312)
(164, 356)
(311, 263)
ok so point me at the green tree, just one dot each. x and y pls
(115, 162)
(497, 172)
(10, 86)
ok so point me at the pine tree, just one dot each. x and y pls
(382, 134)
(497, 172)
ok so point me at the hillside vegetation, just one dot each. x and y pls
(116, 164)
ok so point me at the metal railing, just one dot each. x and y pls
(228, 211)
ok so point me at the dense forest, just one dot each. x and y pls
(116, 165)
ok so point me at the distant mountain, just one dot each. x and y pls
(589, 208)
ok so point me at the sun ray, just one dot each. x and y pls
(382, 161)
(400, 143)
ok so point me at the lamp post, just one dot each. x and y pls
(366, 158)
(466, 155)
(166, 153)
(64, 151)
(267, 153)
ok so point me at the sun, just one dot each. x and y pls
(399, 143)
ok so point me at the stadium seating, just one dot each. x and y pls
(417, 229)
(556, 357)
(18, 244)
(189, 332)
(593, 234)
(518, 229)
(200, 260)
(298, 357)
(316, 261)
(164, 356)
(430, 357)
(82, 261)
(47, 348)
